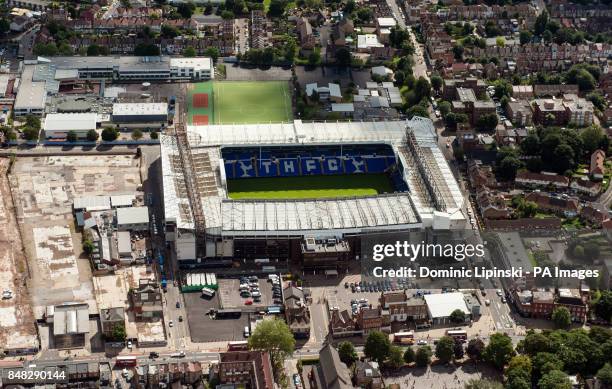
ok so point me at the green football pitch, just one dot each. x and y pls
(244, 102)
(308, 187)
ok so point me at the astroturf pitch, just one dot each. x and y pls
(249, 102)
(304, 187)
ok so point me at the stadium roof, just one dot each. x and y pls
(297, 132)
(388, 212)
(394, 211)
(70, 121)
(443, 304)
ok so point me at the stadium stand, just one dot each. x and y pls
(241, 162)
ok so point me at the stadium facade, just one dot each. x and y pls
(426, 194)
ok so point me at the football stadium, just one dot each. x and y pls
(258, 192)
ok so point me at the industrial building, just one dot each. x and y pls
(58, 125)
(140, 112)
(136, 69)
(133, 219)
(31, 95)
(70, 324)
(441, 305)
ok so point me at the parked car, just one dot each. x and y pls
(248, 302)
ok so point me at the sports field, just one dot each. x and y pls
(306, 187)
(200, 109)
(244, 102)
(239, 102)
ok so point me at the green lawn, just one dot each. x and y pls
(243, 102)
(309, 186)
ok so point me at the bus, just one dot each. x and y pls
(238, 345)
(228, 314)
(457, 334)
(126, 361)
(404, 337)
(207, 292)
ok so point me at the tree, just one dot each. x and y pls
(398, 37)
(458, 51)
(444, 349)
(525, 36)
(518, 373)
(500, 41)
(118, 333)
(409, 355)
(475, 349)
(561, 317)
(277, 8)
(347, 353)
(227, 15)
(213, 53)
(527, 209)
(591, 139)
(487, 122)
(71, 136)
(31, 133)
(423, 356)
(343, 57)
(109, 134)
(275, 337)
(154, 135)
(499, 351)
(5, 26)
(186, 9)
(92, 135)
(603, 306)
(396, 357)
(520, 362)
(508, 167)
(531, 144)
(555, 379)
(88, 247)
(544, 362)
(436, 82)
(483, 383)
(605, 375)
(458, 350)
(444, 107)
(314, 58)
(422, 88)
(377, 346)
(585, 80)
(136, 134)
(534, 343)
(168, 31)
(541, 22)
(457, 316)
(189, 52)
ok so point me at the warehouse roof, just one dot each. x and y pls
(122, 200)
(200, 63)
(70, 121)
(443, 304)
(132, 215)
(71, 319)
(30, 94)
(140, 109)
(91, 203)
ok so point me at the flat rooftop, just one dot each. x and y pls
(127, 109)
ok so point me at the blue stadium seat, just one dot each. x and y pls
(229, 170)
(310, 166)
(354, 165)
(333, 165)
(289, 167)
(244, 169)
(376, 164)
(267, 168)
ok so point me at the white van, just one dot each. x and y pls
(246, 332)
